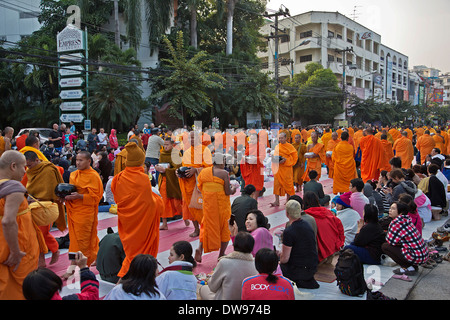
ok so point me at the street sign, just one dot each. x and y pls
(71, 94)
(71, 106)
(70, 39)
(71, 82)
(71, 58)
(74, 117)
(71, 71)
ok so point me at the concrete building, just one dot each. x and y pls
(371, 68)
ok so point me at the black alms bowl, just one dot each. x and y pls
(182, 171)
(64, 189)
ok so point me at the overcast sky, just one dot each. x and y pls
(416, 28)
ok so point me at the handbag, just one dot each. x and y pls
(196, 199)
(43, 213)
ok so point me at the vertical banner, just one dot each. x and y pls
(438, 95)
(389, 79)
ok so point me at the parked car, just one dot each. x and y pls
(43, 133)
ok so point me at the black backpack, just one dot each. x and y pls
(349, 273)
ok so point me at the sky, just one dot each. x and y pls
(416, 28)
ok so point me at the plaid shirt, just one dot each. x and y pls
(402, 232)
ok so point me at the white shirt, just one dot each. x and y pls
(177, 284)
(102, 139)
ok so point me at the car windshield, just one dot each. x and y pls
(44, 132)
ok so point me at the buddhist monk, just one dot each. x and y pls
(344, 165)
(327, 136)
(387, 153)
(295, 132)
(394, 133)
(283, 172)
(425, 144)
(121, 158)
(82, 210)
(168, 184)
(19, 250)
(299, 167)
(404, 149)
(314, 162)
(32, 144)
(371, 150)
(20, 141)
(5, 139)
(304, 135)
(138, 211)
(42, 179)
(214, 184)
(252, 165)
(196, 157)
(331, 144)
(440, 141)
(445, 135)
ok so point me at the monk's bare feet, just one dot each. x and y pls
(186, 223)
(41, 263)
(194, 234)
(163, 228)
(275, 204)
(198, 256)
(55, 257)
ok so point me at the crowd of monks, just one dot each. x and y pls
(200, 193)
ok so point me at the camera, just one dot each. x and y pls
(72, 255)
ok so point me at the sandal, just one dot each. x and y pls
(372, 281)
(403, 277)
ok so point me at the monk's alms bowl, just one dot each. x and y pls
(64, 189)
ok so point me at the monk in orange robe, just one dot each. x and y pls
(196, 157)
(440, 141)
(344, 165)
(214, 184)
(283, 170)
(387, 153)
(32, 144)
(372, 150)
(20, 141)
(42, 177)
(252, 165)
(168, 184)
(294, 132)
(299, 167)
(82, 210)
(138, 210)
(327, 136)
(419, 132)
(445, 135)
(331, 144)
(5, 139)
(304, 135)
(425, 144)
(394, 133)
(319, 157)
(404, 149)
(409, 133)
(19, 250)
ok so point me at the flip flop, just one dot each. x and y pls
(374, 282)
(403, 277)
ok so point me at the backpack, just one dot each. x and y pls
(349, 273)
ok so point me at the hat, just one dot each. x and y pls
(344, 199)
(135, 155)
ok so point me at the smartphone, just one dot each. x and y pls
(72, 255)
(232, 219)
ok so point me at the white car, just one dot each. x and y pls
(43, 133)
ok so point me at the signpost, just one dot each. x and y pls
(73, 71)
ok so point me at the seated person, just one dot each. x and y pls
(348, 217)
(316, 187)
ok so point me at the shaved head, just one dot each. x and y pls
(12, 165)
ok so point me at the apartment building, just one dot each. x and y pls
(18, 19)
(371, 68)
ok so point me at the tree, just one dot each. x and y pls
(185, 87)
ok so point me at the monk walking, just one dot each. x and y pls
(344, 164)
(299, 167)
(214, 184)
(19, 248)
(252, 166)
(425, 144)
(371, 149)
(138, 210)
(404, 149)
(314, 162)
(387, 153)
(331, 144)
(82, 210)
(283, 172)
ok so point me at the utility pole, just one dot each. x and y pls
(276, 37)
(344, 65)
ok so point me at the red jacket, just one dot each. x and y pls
(330, 231)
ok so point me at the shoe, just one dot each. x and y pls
(400, 271)
(403, 277)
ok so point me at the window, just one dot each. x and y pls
(306, 58)
(306, 34)
(330, 58)
(330, 34)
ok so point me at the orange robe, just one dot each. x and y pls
(37, 151)
(440, 143)
(387, 154)
(195, 157)
(395, 134)
(344, 166)
(425, 144)
(372, 150)
(216, 211)
(284, 173)
(82, 213)
(119, 163)
(357, 137)
(138, 214)
(304, 135)
(295, 132)
(11, 281)
(420, 132)
(168, 185)
(20, 141)
(299, 167)
(325, 138)
(410, 133)
(315, 163)
(328, 160)
(404, 149)
(253, 172)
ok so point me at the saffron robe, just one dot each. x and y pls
(82, 213)
(195, 157)
(168, 184)
(11, 281)
(253, 171)
(283, 173)
(138, 214)
(404, 149)
(440, 143)
(425, 144)
(371, 158)
(344, 166)
(315, 163)
(37, 151)
(216, 211)
(328, 160)
(387, 155)
(299, 167)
